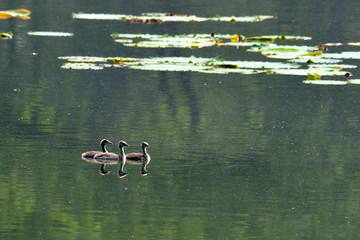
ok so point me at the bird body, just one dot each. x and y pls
(91, 154)
(140, 158)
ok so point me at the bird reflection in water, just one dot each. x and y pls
(140, 158)
(103, 170)
(121, 158)
(105, 158)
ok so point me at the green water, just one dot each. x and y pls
(232, 156)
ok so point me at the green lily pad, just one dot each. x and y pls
(314, 60)
(194, 40)
(333, 66)
(277, 37)
(353, 81)
(100, 16)
(166, 17)
(205, 65)
(325, 82)
(82, 66)
(343, 55)
(312, 71)
(167, 44)
(84, 59)
(51, 34)
(284, 52)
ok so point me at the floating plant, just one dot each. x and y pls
(18, 13)
(196, 40)
(51, 34)
(168, 17)
(4, 35)
(206, 65)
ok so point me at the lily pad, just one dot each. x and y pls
(193, 40)
(51, 34)
(277, 37)
(168, 17)
(284, 52)
(343, 55)
(82, 66)
(325, 82)
(354, 43)
(100, 16)
(353, 81)
(312, 71)
(84, 59)
(205, 65)
(314, 60)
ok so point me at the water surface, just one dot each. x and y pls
(233, 156)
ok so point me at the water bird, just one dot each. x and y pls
(113, 156)
(91, 154)
(140, 158)
(88, 156)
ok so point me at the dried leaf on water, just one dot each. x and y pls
(18, 13)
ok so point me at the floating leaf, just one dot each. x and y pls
(51, 34)
(313, 76)
(241, 19)
(332, 44)
(188, 40)
(101, 16)
(84, 59)
(283, 52)
(334, 66)
(206, 65)
(343, 55)
(82, 66)
(354, 43)
(314, 60)
(167, 17)
(313, 71)
(4, 35)
(324, 82)
(277, 37)
(19, 13)
(169, 44)
(314, 53)
(354, 81)
(237, 38)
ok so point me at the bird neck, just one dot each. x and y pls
(122, 153)
(144, 151)
(103, 147)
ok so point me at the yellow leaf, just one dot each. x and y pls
(354, 43)
(313, 53)
(4, 15)
(19, 13)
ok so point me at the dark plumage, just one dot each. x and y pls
(112, 156)
(140, 158)
(91, 154)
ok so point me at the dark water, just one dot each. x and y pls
(233, 156)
